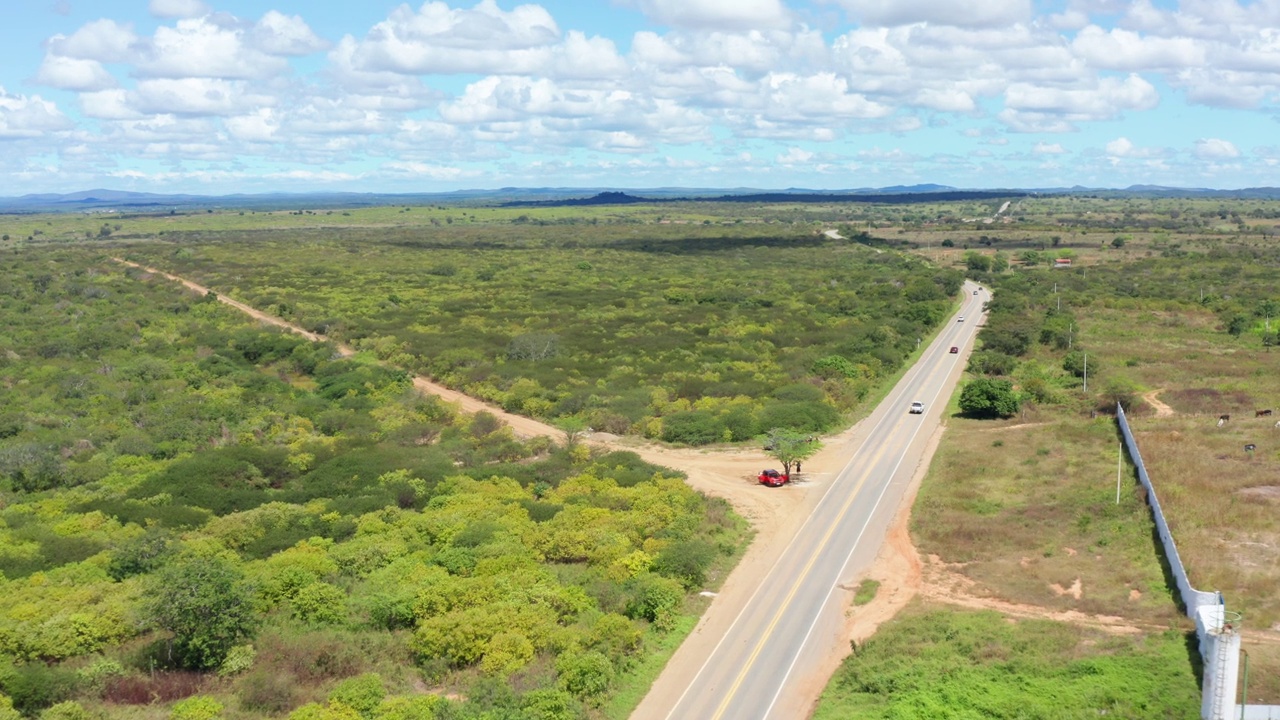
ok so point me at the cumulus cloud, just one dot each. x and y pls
(718, 14)
(108, 105)
(795, 156)
(1215, 149)
(102, 40)
(177, 8)
(194, 96)
(1033, 108)
(979, 14)
(1119, 49)
(206, 47)
(29, 117)
(1122, 147)
(1043, 148)
(280, 34)
(440, 39)
(69, 73)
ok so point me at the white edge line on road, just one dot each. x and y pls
(835, 583)
(915, 370)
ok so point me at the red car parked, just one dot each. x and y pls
(773, 478)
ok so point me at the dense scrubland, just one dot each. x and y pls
(684, 334)
(196, 506)
(375, 553)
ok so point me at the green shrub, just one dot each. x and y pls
(197, 707)
(68, 710)
(990, 362)
(811, 417)
(206, 606)
(320, 604)
(239, 659)
(414, 707)
(587, 675)
(363, 693)
(686, 561)
(7, 712)
(35, 686)
(987, 397)
(654, 598)
(692, 427)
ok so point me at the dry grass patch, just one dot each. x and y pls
(1222, 502)
(1032, 507)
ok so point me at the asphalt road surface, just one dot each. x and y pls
(761, 666)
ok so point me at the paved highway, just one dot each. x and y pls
(763, 666)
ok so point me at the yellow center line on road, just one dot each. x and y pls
(795, 588)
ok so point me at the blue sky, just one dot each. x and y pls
(220, 96)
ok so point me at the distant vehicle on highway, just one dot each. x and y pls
(773, 478)
(954, 350)
(975, 292)
(917, 408)
(960, 319)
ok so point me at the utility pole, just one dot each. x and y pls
(1086, 372)
(1119, 466)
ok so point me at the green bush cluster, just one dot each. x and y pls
(237, 502)
(681, 345)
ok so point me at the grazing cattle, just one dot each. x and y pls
(1250, 447)
(1221, 422)
(1223, 418)
(1278, 424)
(1262, 413)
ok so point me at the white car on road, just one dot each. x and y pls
(917, 408)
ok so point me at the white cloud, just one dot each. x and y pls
(419, 169)
(1043, 148)
(976, 14)
(1119, 49)
(101, 40)
(108, 105)
(1215, 149)
(795, 156)
(206, 47)
(194, 96)
(1032, 108)
(718, 14)
(258, 126)
(29, 117)
(280, 34)
(74, 74)
(177, 8)
(439, 39)
(1123, 147)
(587, 58)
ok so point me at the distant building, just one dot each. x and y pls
(1062, 262)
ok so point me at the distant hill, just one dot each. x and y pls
(106, 200)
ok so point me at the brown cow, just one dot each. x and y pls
(1262, 413)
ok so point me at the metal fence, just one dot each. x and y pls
(1217, 629)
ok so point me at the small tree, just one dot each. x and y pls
(205, 604)
(989, 397)
(790, 447)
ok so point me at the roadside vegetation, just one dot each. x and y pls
(1021, 514)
